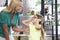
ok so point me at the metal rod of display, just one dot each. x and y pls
(42, 10)
(42, 7)
(56, 18)
(6, 4)
(52, 22)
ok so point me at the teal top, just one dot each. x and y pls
(5, 18)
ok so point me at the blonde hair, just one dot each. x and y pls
(12, 6)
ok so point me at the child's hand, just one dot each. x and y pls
(38, 27)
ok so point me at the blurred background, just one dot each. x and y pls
(50, 9)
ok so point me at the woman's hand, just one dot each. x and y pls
(19, 29)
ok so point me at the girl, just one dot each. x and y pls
(35, 26)
(8, 18)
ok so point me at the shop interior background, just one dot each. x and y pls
(36, 5)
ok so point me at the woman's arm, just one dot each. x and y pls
(26, 23)
(18, 29)
(5, 28)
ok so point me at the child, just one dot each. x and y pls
(35, 26)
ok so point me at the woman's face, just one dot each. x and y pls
(18, 8)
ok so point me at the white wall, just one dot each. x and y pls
(1, 8)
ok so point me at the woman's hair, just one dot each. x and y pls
(12, 6)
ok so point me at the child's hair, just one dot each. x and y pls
(42, 30)
(35, 13)
(32, 12)
(39, 16)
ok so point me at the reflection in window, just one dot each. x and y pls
(3, 3)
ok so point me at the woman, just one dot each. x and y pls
(8, 18)
(35, 26)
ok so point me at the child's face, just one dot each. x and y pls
(34, 19)
(39, 20)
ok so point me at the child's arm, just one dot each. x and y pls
(26, 22)
(42, 32)
(38, 27)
